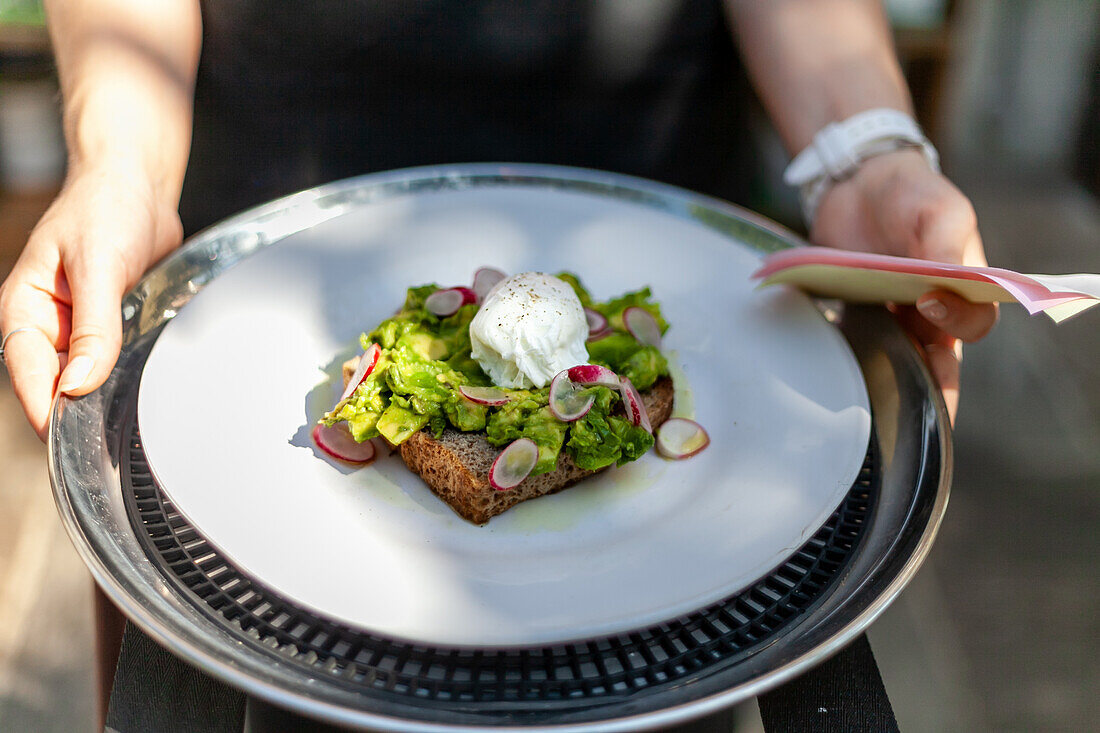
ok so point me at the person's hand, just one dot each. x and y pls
(104, 230)
(896, 204)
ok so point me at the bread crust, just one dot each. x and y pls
(456, 465)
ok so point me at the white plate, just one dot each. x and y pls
(235, 381)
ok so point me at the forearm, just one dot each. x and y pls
(818, 61)
(127, 71)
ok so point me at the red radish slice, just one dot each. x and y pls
(336, 440)
(447, 301)
(597, 322)
(484, 280)
(513, 464)
(484, 395)
(592, 375)
(468, 295)
(568, 402)
(599, 335)
(362, 370)
(635, 408)
(679, 438)
(642, 326)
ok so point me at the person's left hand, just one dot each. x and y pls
(896, 204)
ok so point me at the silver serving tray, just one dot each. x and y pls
(87, 441)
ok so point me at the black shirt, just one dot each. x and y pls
(294, 94)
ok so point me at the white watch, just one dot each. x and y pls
(837, 150)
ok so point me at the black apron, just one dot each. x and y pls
(290, 95)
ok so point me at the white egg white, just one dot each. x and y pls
(530, 327)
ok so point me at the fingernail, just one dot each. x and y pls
(932, 309)
(75, 373)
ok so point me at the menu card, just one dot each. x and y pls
(874, 278)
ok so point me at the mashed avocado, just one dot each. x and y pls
(425, 359)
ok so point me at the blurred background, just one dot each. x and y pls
(1000, 631)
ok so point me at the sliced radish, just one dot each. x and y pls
(484, 280)
(679, 438)
(642, 326)
(468, 295)
(568, 401)
(632, 402)
(336, 440)
(447, 301)
(597, 322)
(362, 370)
(484, 395)
(592, 375)
(600, 335)
(513, 464)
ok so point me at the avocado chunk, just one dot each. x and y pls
(398, 424)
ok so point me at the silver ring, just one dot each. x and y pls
(9, 334)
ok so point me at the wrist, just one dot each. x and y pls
(128, 166)
(131, 129)
(120, 173)
(839, 150)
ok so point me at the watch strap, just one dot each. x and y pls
(838, 149)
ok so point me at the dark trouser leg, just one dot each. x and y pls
(109, 625)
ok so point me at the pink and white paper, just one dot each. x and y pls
(876, 278)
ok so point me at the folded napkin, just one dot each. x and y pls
(875, 278)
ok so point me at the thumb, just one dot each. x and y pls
(96, 283)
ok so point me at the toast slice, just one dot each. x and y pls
(456, 465)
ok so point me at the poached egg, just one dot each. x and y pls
(529, 327)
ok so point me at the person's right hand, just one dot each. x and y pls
(104, 230)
